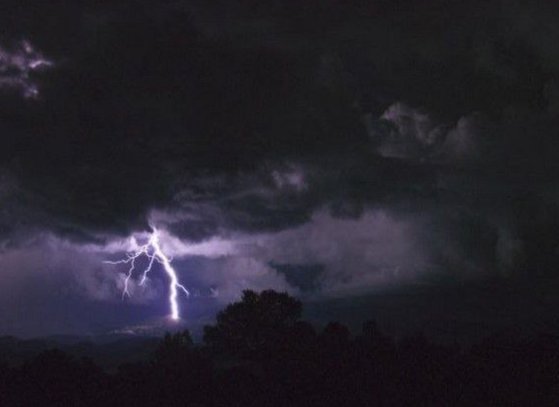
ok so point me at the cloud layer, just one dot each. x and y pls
(362, 146)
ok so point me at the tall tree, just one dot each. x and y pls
(254, 326)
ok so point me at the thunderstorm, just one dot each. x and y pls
(153, 252)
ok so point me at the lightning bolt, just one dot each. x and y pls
(153, 252)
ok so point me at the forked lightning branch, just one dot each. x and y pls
(153, 253)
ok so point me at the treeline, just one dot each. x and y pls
(260, 353)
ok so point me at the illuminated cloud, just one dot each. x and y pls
(292, 177)
(410, 133)
(17, 65)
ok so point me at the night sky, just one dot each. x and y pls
(392, 160)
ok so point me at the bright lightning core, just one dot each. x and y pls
(152, 250)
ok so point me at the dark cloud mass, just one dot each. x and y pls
(332, 147)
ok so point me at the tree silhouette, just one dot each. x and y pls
(58, 379)
(260, 353)
(254, 326)
(174, 348)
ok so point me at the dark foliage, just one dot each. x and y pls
(260, 353)
(255, 327)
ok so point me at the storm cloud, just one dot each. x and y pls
(369, 145)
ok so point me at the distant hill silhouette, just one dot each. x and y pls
(108, 351)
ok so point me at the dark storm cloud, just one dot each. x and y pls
(142, 100)
(145, 97)
(376, 141)
(153, 108)
(281, 195)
